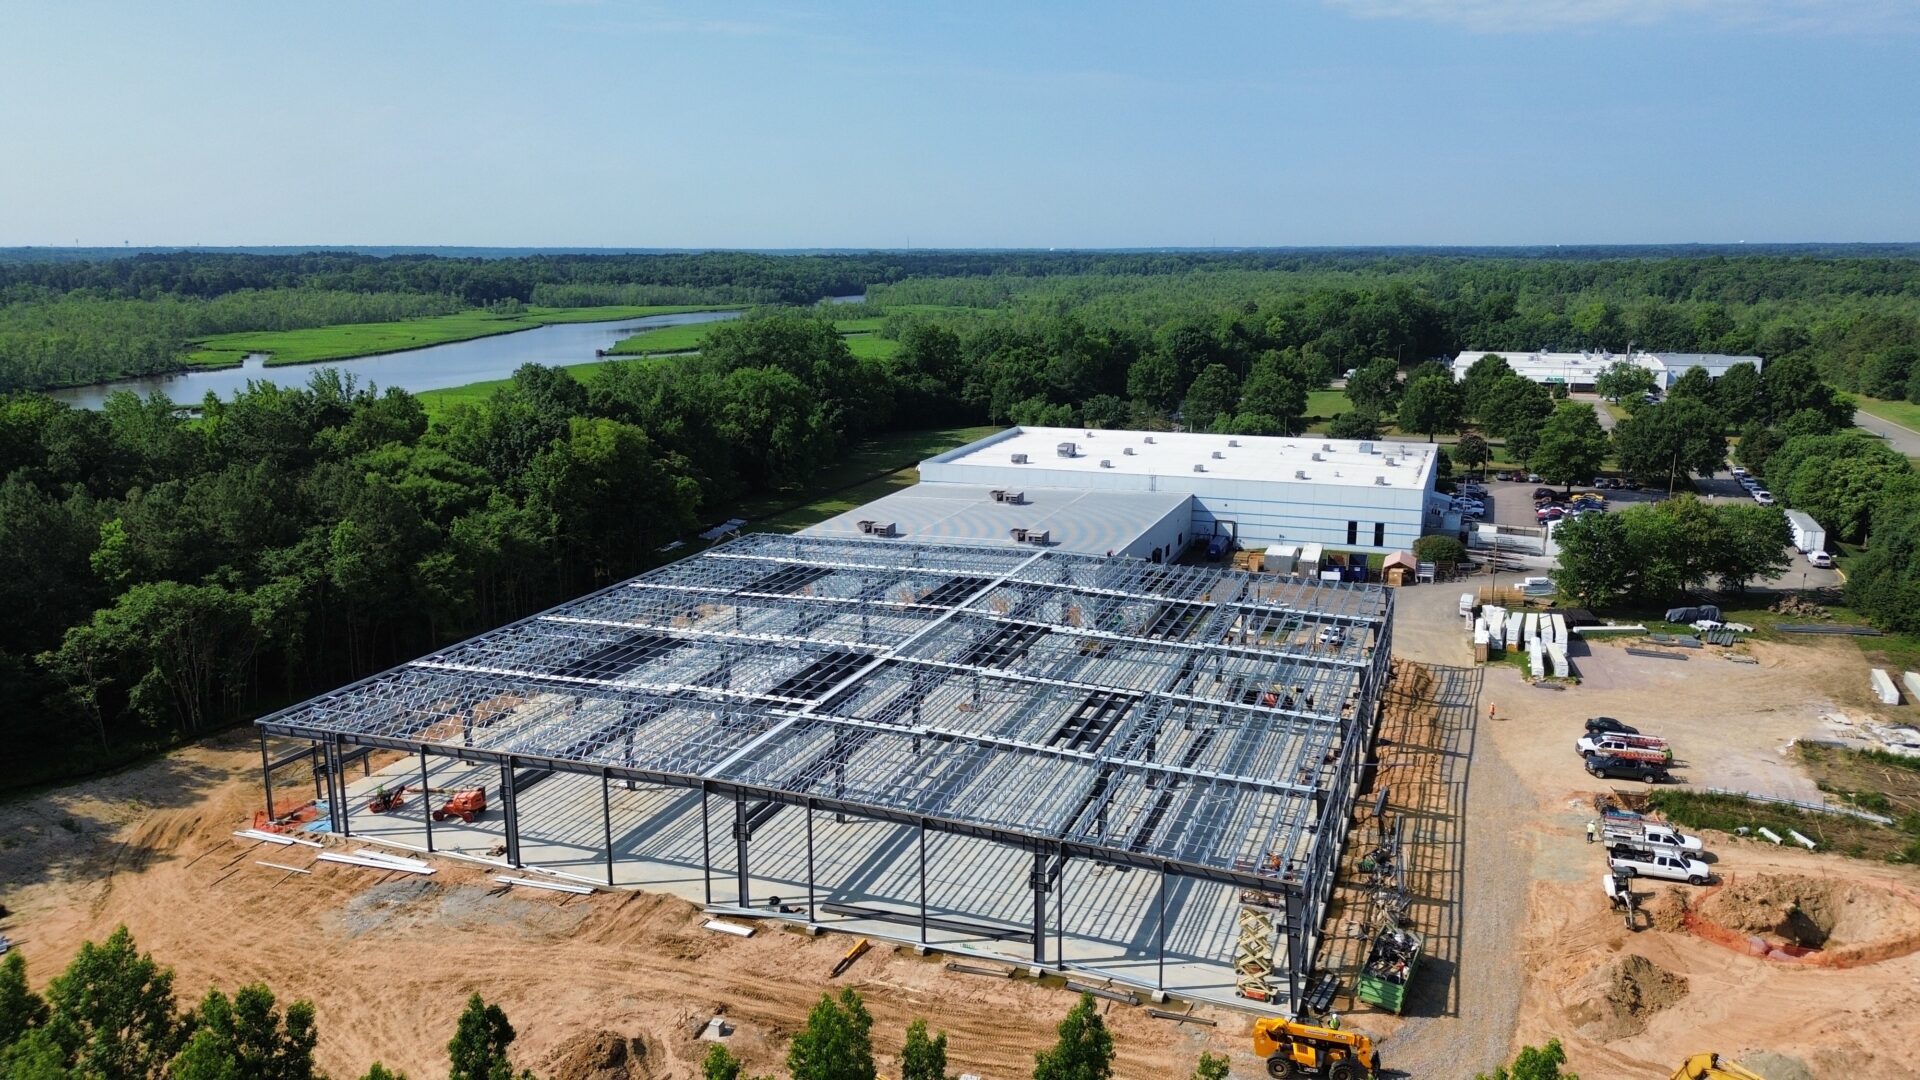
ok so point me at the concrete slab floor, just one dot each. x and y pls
(1103, 919)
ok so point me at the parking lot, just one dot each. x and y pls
(1510, 502)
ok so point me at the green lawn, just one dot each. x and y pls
(675, 339)
(349, 340)
(1324, 405)
(1904, 413)
(866, 346)
(866, 472)
(437, 402)
(545, 316)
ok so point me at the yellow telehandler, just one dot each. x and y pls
(1292, 1048)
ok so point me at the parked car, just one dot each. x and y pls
(1333, 635)
(1533, 478)
(1820, 559)
(1503, 476)
(1749, 483)
(1544, 492)
(1608, 767)
(1607, 725)
(1645, 862)
(1648, 834)
(1549, 513)
(1617, 744)
(1764, 498)
(1738, 472)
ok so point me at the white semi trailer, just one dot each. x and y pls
(1808, 536)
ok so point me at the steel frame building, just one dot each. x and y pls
(1193, 722)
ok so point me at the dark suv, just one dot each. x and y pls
(1607, 725)
(1607, 766)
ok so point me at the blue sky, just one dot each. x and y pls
(980, 124)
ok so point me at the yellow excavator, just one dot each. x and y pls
(1292, 1048)
(1710, 1067)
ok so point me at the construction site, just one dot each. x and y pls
(1140, 772)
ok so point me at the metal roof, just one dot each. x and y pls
(1173, 457)
(1088, 522)
(1134, 713)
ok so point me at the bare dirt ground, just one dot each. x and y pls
(389, 960)
(1732, 726)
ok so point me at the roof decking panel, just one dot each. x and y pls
(1144, 712)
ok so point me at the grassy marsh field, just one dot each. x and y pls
(343, 342)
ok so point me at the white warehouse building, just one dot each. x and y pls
(1148, 494)
(1579, 369)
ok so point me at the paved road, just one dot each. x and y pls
(1905, 440)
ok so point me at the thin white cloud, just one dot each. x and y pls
(1533, 16)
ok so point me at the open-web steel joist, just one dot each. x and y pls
(1188, 720)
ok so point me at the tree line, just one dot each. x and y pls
(113, 1014)
(167, 574)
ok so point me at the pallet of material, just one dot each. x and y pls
(371, 864)
(1514, 619)
(551, 886)
(1108, 993)
(281, 839)
(1657, 654)
(723, 927)
(401, 861)
(1883, 687)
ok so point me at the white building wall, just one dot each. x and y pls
(1264, 511)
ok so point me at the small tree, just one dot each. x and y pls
(1355, 424)
(1212, 1067)
(479, 1045)
(112, 1013)
(1373, 385)
(923, 1058)
(1623, 379)
(1472, 451)
(1440, 550)
(20, 1008)
(837, 1043)
(1534, 1063)
(35, 1056)
(719, 1064)
(378, 1071)
(1572, 444)
(247, 1037)
(1430, 405)
(1084, 1050)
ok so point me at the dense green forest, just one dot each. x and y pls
(166, 573)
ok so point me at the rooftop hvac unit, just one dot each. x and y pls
(1149, 438)
(1036, 536)
(1019, 459)
(1106, 463)
(1218, 456)
(865, 526)
(878, 528)
(1015, 498)
(1233, 442)
(1017, 534)
(1366, 448)
(998, 494)
(1391, 464)
(1380, 480)
(1326, 446)
(1199, 466)
(1317, 457)
(1127, 450)
(1299, 474)
(1067, 449)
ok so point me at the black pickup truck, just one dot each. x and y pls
(1609, 766)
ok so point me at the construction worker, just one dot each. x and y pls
(1333, 1021)
(1591, 830)
(1490, 713)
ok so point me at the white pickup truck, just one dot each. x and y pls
(1646, 862)
(1648, 834)
(1646, 746)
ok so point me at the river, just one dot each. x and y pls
(434, 367)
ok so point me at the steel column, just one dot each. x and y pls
(426, 800)
(810, 914)
(509, 803)
(266, 775)
(706, 847)
(606, 819)
(741, 829)
(923, 883)
(1060, 914)
(1037, 879)
(1160, 933)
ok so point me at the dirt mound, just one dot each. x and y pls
(600, 1055)
(1774, 1066)
(1619, 999)
(1811, 913)
(1668, 910)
